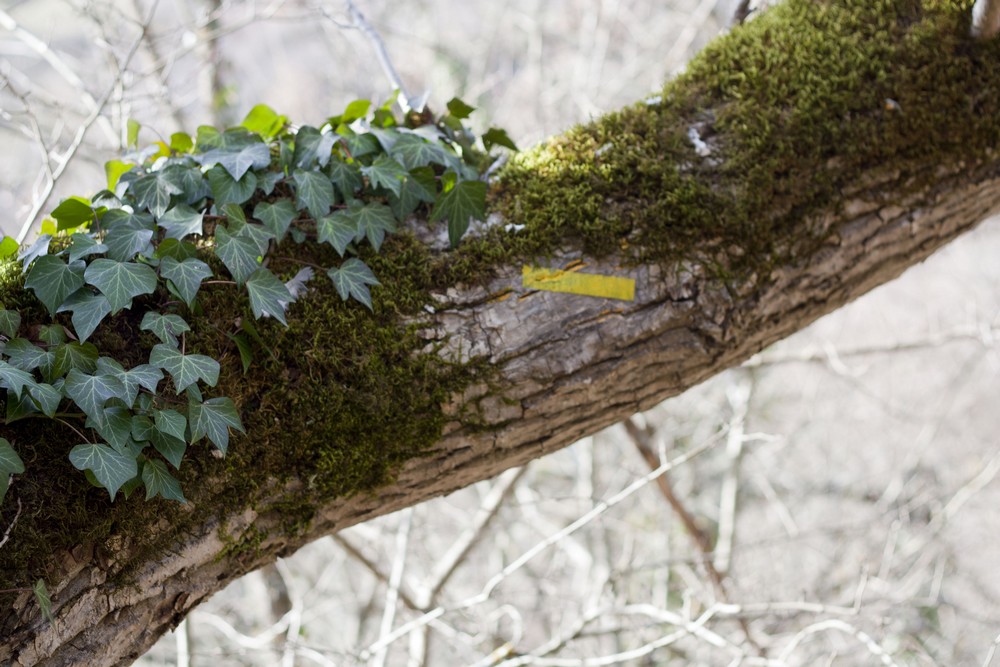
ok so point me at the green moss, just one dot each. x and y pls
(793, 106)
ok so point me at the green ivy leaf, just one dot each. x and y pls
(53, 280)
(459, 109)
(10, 464)
(314, 192)
(153, 192)
(110, 468)
(142, 428)
(8, 247)
(185, 369)
(419, 187)
(238, 160)
(225, 189)
(346, 176)
(268, 295)
(172, 448)
(124, 241)
(312, 146)
(238, 253)
(189, 180)
(79, 356)
(113, 170)
(496, 136)
(72, 212)
(91, 392)
(186, 276)
(360, 145)
(265, 121)
(159, 482)
(170, 422)
(352, 279)
(166, 327)
(81, 245)
(21, 353)
(53, 334)
(374, 220)
(181, 142)
(338, 230)
(88, 310)
(214, 418)
(179, 250)
(14, 379)
(37, 249)
(10, 322)
(276, 216)
(243, 346)
(46, 397)
(143, 375)
(268, 179)
(464, 201)
(387, 173)
(115, 426)
(43, 600)
(356, 109)
(414, 151)
(120, 282)
(259, 234)
(181, 221)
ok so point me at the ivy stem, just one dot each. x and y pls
(298, 261)
(75, 429)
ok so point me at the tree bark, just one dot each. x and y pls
(562, 366)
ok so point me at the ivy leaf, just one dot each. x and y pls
(265, 121)
(181, 142)
(214, 418)
(238, 160)
(120, 282)
(459, 109)
(180, 221)
(37, 249)
(19, 408)
(110, 468)
(153, 192)
(124, 241)
(115, 426)
(172, 448)
(91, 392)
(185, 369)
(21, 353)
(189, 180)
(166, 327)
(43, 600)
(338, 230)
(259, 234)
(346, 176)
(143, 375)
(10, 322)
(81, 245)
(314, 192)
(142, 428)
(312, 146)
(72, 212)
(387, 173)
(246, 352)
(352, 279)
(53, 334)
(186, 276)
(46, 397)
(179, 250)
(267, 180)
(14, 379)
(238, 253)
(170, 422)
(496, 136)
(78, 356)
(53, 280)
(373, 220)
(419, 186)
(414, 151)
(276, 216)
(88, 310)
(10, 464)
(159, 482)
(226, 189)
(268, 295)
(464, 201)
(360, 145)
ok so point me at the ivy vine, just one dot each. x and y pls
(239, 193)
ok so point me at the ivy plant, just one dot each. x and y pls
(142, 244)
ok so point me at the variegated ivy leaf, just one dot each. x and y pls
(214, 418)
(268, 295)
(110, 467)
(185, 369)
(185, 275)
(166, 327)
(120, 282)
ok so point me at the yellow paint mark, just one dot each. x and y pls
(573, 282)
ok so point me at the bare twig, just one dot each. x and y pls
(395, 579)
(10, 526)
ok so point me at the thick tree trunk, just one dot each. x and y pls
(561, 366)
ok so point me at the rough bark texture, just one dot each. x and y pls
(565, 366)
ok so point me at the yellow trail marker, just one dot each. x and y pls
(572, 282)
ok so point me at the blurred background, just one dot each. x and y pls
(839, 506)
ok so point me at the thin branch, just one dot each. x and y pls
(356, 553)
(10, 527)
(395, 579)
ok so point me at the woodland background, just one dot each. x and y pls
(848, 486)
